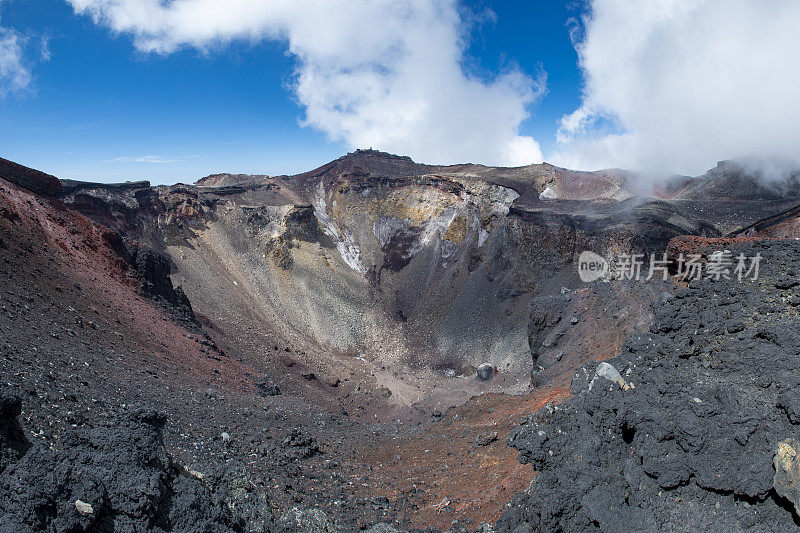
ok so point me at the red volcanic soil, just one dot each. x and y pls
(75, 260)
(458, 469)
(688, 244)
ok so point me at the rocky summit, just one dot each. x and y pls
(384, 345)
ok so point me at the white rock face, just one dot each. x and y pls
(548, 194)
(386, 227)
(345, 243)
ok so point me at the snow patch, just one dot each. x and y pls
(350, 253)
(482, 236)
(386, 227)
(345, 242)
(448, 250)
(548, 194)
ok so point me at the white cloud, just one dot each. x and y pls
(153, 159)
(44, 48)
(15, 76)
(676, 85)
(380, 73)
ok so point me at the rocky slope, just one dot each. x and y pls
(702, 435)
(354, 345)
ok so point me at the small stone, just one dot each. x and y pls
(487, 439)
(573, 320)
(194, 473)
(485, 372)
(83, 508)
(267, 388)
(225, 436)
(607, 371)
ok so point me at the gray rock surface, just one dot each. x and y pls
(116, 477)
(693, 446)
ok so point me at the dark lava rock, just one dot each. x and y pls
(120, 470)
(485, 372)
(299, 446)
(154, 270)
(690, 446)
(33, 180)
(13, 443)
(268, 388)
(789, 401)
(787, 283)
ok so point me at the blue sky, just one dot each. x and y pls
(97, 105)
(173, 90)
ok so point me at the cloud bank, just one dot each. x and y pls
(676, 85)
(382, 73)
(15, 75)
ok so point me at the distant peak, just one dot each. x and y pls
(369, 152)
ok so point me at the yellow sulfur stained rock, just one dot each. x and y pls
(787, 471)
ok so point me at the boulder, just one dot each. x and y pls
(485, 372)
(787, 471)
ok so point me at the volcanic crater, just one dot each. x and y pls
(384, 345)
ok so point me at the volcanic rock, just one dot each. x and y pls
(33, 180)
(115, 477)
(692, 445)
(787, 471)
(485, 372)
(268, 388)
